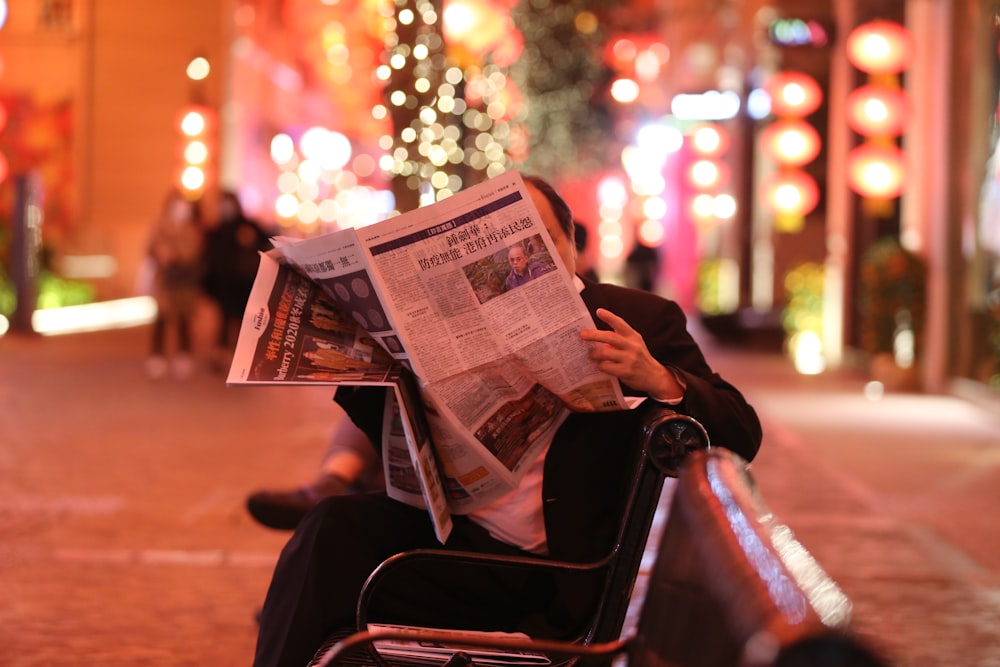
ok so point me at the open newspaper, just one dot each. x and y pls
(483, 370)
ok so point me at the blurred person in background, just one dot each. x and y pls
(232, 250)
(175, 268)
(642, 266)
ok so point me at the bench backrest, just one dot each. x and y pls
(731, 585)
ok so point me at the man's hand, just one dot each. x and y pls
(623, 353)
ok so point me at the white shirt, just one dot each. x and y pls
(517, 517)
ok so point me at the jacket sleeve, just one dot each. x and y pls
(721, 408)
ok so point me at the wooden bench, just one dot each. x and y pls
(730, 586)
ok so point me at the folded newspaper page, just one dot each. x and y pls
(422, 650)
(293, 333)
(499, 362)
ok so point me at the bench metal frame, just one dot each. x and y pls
(667, 438)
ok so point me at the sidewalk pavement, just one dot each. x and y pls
(125, 540)
(895, 498)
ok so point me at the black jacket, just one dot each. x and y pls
(586, 466)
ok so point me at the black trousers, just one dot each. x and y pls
(320, 572)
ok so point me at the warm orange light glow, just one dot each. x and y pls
(459, 20)
(875, 110)
(624, 50)
(880, 47)
(193, 123)
(702, 206)
(650, 233)
(198, 69)
(876, 172)
(709, 140)
(708, 174)
(793, 94)
(789, 193)
(196, 124)
(196, 152)
(625, 90)
(479, 27)
(193, 179)
(791, 143)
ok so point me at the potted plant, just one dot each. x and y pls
(892, 310)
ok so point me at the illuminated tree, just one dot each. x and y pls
(562, 78)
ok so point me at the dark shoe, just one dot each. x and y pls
(283, 510)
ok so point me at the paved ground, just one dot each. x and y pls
(124, 539)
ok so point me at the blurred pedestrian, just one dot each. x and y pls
(642, 266)
(176, 269)
(232, 250)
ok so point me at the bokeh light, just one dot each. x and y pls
(198, 69)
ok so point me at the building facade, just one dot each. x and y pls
(93, 90)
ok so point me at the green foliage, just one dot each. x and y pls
(892, 295)
(487, 276)
(8, 300)
(708, 287)
(804, 292)
(53, 292)
(993, 302)
(562, 77)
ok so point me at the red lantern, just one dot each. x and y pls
(789, 193)
(476, 26)
(791, 143)
(877, 111)
(709, 140)
(707, 174)
(880, 47)
(876, 172)
(793, 94)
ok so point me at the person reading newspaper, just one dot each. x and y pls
(564, 506)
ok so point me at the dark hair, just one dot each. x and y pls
(580, 235)
(558, 204)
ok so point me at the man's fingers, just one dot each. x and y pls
(611, 319)
(619, 325)
(601, 336)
